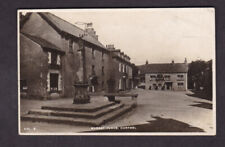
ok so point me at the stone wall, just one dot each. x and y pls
(33, 67)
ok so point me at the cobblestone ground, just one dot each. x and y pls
(164, 111)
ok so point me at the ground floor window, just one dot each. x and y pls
(180, 84)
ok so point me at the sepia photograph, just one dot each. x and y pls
(130, 71)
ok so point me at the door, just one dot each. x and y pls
(54, 79)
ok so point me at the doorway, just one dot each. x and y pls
(54, 79)
(169, 85)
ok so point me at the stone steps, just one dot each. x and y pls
(100, 120)
(78, 108)
(73, 114)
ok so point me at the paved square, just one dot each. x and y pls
(171, 111)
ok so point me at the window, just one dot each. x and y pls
(102, 56)
(119, 67)
(180, 76)
(58, 60)
(70, 46)
(93, 53)
(180, 84)
(167, 76)
(152, 76)
(160, 76)
(49, 57)
(123, 67)
(103, 70)
(93, 69)
(53, 58)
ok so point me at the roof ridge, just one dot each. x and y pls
(65, 21)
(159, 64)
(36, 38)
(48, 14)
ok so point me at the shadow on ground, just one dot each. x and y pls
(201, 94)
(203, 105)
(158, 125)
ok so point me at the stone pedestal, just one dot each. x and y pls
(81, 95)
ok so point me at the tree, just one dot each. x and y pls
(199, 74)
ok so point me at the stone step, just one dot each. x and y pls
(79, 107)
(91, 115)
(78, 121)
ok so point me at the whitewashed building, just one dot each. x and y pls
(166, 76)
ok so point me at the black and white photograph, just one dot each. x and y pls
(124, 71)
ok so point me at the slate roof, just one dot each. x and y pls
(42, 42)
(69, 28)
(164, 68)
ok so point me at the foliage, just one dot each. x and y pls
(200, 76)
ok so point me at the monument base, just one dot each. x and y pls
(81, 95)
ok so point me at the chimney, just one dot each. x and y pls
(185, 60)
(146, 62)
(91, 32)
(110, 47)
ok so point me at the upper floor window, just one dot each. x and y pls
(123, 68)
(93, 69)
(180, 76)
(167, 76)
(102, 56)
(93, 53)
(70, 46)
(120, 67)
(103, 70)
(53, 58)
(152, 76)
(58, 60)
(49, 57)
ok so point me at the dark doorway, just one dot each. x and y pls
(169, 85)
(54, 82)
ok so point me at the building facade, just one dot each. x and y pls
(169, 76)
(122, 69)
(50, 57)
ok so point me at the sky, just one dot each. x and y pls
(156, 35)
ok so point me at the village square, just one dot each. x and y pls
(71, 83)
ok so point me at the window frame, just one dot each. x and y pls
(70, 46)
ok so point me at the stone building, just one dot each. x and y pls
(50, 59)
(122, 69)
(167, 76)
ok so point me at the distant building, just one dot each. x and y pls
(166, 76)
(122, 69)
(50, 59)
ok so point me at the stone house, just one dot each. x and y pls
(50, 59)
(167, 76)
(123, 67)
